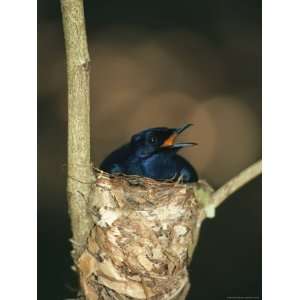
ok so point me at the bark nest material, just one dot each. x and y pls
(142, 240)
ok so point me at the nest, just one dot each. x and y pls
(142, 240)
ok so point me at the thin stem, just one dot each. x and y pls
(236, 182)
(79, 165)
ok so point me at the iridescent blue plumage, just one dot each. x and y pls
(152, 153)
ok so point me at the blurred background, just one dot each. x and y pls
(160, 64)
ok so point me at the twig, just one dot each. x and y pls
(236, 182)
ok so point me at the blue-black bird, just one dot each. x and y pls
(152, 153)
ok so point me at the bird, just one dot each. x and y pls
(152, 153)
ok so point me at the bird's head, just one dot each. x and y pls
(153, 140)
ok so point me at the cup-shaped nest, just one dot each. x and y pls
(142, 240)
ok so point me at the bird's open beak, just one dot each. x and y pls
(170, 141)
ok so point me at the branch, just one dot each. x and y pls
(79, 165)
(236, 182)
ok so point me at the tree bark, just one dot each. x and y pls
(79, 165)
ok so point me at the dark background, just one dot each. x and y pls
(160, 64)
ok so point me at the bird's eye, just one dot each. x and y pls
(152, 139)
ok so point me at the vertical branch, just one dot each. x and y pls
(79, 165)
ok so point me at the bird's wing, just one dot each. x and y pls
(187, 171)
(114, 162)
